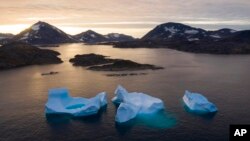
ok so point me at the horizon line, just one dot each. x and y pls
(103, 27)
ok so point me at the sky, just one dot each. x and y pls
(133, 17)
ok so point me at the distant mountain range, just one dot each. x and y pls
(5, 38)
(42, 33)
(186, 38)
(93, 37)
(6, 35)
(168, 35)
(180, 32)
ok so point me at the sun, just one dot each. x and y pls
(13, 28)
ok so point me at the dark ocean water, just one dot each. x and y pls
(225, 80)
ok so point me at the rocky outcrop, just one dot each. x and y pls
(18, 54)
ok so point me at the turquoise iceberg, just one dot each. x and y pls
(198, 103)
(133, 104)
(60, 102)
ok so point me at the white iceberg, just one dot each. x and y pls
(198, 103)
(132, 104)
(60, 102)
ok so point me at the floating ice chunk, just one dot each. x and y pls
(132, 104)
(121, 95)
(60, 102)
(126, 112)
(198, 103)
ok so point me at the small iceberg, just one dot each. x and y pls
(132, 104)
(60, 102)
(198, 103)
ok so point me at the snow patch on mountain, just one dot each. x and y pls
(36, 37)
(25, 36)
(171, 29)
(193, 39)
(92, 35)
(116, 35)
(232, 31)
(215, 36)
(35, 27)
(191, 31)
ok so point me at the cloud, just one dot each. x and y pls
(127, 12)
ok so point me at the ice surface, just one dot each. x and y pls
(133, 104)
(198, 103)
(60, 102)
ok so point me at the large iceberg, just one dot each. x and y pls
(198, 103)
(132, 104)
(60, 102)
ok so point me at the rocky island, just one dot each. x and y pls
(19, 54)
(102, 63)
(90, 60)
(124, 65)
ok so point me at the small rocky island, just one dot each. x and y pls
(18, 54)
(86, 60)
(124, 65)
(103, 63)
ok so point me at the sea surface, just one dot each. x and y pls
(223, 79)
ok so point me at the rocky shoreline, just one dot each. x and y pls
(206, 47)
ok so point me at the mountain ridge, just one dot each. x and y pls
(43, 33)
(93, 37)
(177, 31)
(190, 39)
